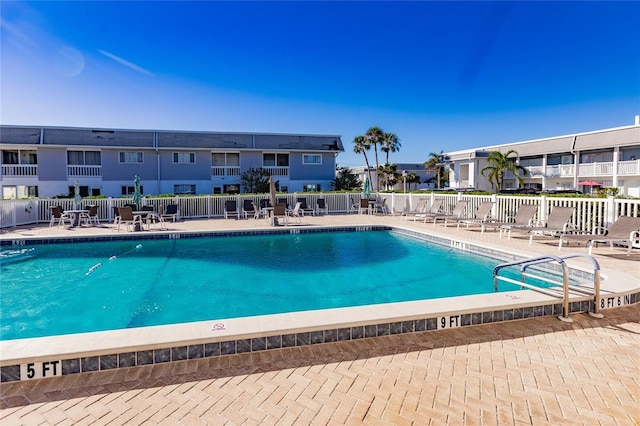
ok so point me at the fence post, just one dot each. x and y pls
(611, 210)
(544, 208)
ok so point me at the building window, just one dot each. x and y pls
(596, 157)
(19, 191)
(83, 158)
(311, 187)
(184, 157)
(225, 159)
(231, 189)
(127, 190)
(84, 191)
(184, 189)
(131, 157)
(273, 160)
(17, 156)
(311, 159)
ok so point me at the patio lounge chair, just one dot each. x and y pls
(434, 209)
(126, 217)
(457, 213)
(421, 208)
(58, 215)
(625, 230)
(303, 205)
(231, 209)
(481, 216)
(558, 223)
(249, 208)
(524, 217)
(321, 206)
(170, 212)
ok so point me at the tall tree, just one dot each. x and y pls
(375, 136)
(360, 146)
(390, 143)
(500, 163)
(434, 165)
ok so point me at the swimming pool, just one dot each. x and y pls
(94, 286)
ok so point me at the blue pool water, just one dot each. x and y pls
(93, 286)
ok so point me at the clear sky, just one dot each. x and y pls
(441, 75)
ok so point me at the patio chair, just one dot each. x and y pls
(303, 205)
(481, 216)
(126, 217)
(282, 201)
(280, 211)
(321, 206)
(249, 208)
(381, 207)
(624, 231)
(296, 212)
(524, 217)
(558, 223)
(364, 206)
(58, 215)
(458, 211)
(170, 212)
(231, 209)
(90, 216)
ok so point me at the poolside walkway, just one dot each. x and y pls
(535, 371)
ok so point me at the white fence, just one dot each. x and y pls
(590, 212)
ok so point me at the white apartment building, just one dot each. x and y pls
(610, 157)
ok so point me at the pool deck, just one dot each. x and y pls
(533, 371)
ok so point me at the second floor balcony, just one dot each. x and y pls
(19, 170)
(90, 171)
(225, 171)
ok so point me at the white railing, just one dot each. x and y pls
(277, 171)
(84, 170)
(225, 171)
(629, 167)
(560, 170)
(19, 170)
(590, 212)
(595, 169)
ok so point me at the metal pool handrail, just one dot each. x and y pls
(526, 263)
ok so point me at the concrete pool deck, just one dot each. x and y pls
(462, 389)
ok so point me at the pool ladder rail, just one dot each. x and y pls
(526, 263)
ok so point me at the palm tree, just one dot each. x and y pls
(390, 143)
(434, 165)
(499, 163)
(389, 173)
(411, 178)
(375, 136)
(360, 146)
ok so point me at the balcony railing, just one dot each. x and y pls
(21, 170)
(560, 170)
(84, 170)
(278, 171)
(225, 171)
(631, 167)
(596, 169)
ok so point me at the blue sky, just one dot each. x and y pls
(441, 75)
